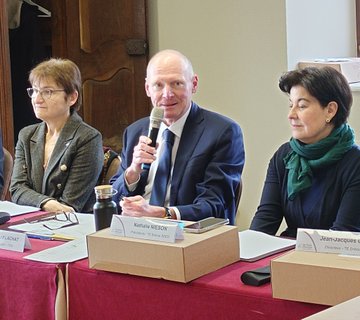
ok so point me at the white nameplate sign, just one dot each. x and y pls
(328, 241)
(146, 228)
(14, 241)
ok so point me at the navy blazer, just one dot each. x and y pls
(72, 172)
(207, 168)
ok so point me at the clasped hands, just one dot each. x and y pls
(137, 206)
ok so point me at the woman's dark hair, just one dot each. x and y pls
(325, 84)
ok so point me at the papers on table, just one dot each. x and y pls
(256, 245)
(86, 226)
(15, 209)
(67, 252)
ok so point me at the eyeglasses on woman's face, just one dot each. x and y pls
(44, 93)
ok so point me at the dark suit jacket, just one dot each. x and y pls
(207, 168)
(332, 201)
(72, 172)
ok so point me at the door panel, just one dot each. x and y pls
(99, 94)
(99, 38)
(6, 114)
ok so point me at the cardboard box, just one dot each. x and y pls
(322, 278)
(350, 67)
(182, 261)
(349, 310)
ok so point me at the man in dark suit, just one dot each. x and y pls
(207, 157)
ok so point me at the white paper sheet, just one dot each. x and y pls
(256, 245)
(15, 209)
(68, 252)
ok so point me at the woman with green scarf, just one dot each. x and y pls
(313, 181)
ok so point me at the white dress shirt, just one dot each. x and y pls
(176, 128)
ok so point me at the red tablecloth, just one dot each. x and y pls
(28, 289)
(220, 295)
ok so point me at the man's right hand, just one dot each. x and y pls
(143, 153)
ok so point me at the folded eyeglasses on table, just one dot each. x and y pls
(56, 220)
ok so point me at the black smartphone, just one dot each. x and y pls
(205, 225)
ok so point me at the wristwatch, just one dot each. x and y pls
(167, 213)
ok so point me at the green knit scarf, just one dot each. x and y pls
(305, 157)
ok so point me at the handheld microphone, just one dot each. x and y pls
(156, 117)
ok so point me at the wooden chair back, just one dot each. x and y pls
(8, 168)
(238, 194)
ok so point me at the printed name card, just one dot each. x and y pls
(145, 228)
(328, 241)
(14, 241)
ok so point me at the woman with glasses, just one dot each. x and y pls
(58, 161)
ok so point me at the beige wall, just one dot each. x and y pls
(238, 49)
(355, 113)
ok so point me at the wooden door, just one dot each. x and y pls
(107, 40)
(6, 114)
